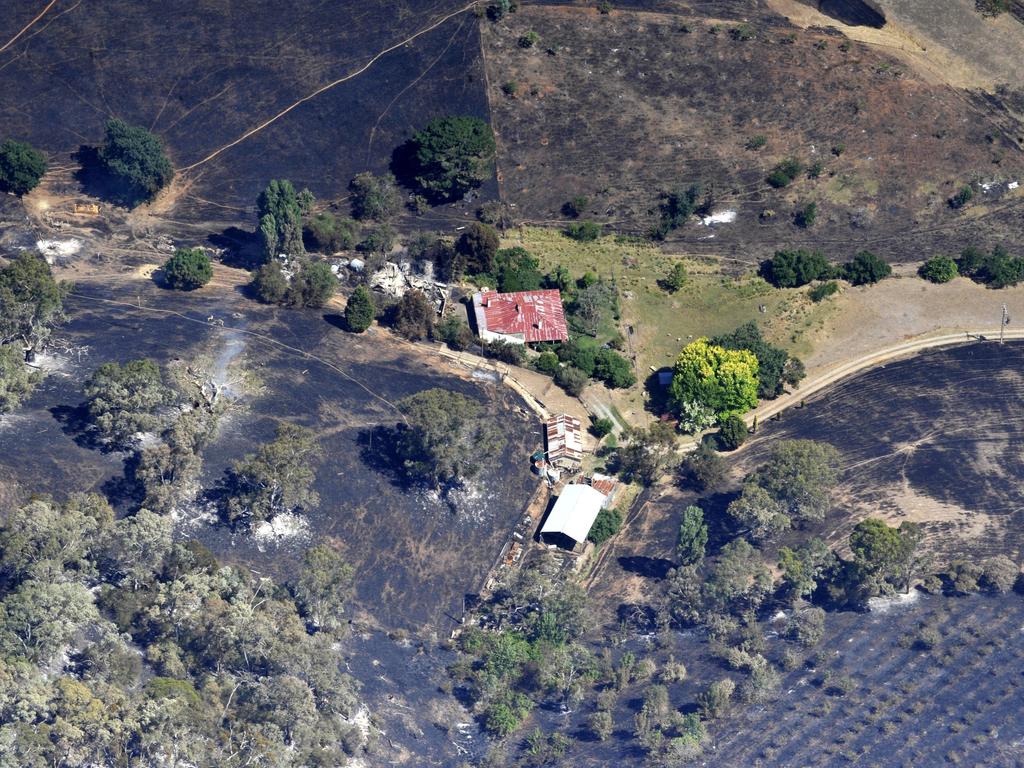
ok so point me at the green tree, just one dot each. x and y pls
(446, 438)
(280, 220)
(547, 362)
(322, 586)
(715, 700)
(791, 269)
(276, 479)
(139, 545)
(613, 369)
(693, 536)
(803, 568)
(783, 174)
(601, 427)
(938, 269)
(606, 524)
(724, 380)
(647, 453)
(806, 216)
(374, 197)
(414, 316)
(583, 231)
(572, 380)
(31, 302)
(134, 158)
(518, 270)
(676, 277)
(885, 555)
(454, 332)
(17, 380)
(866, 268)
(732, 432)
(800, 475)
(771, 361)
(21, 167)
(451, 156)
(704, 468)
(269, 284)
(478, 245)
(359, 310)
(761, 514)
(676, 209)
(188, 269)
(328, 233)
(123, 400)
(38, 620)
(312, 286)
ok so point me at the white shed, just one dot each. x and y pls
(572, 516)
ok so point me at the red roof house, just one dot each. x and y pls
(521, 317)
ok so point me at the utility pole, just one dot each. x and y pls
(1005, 322)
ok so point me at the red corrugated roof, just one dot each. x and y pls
(534, 315)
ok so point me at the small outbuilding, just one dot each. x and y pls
(572, 516)
(564, 441)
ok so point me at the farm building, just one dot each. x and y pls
(564, 436)
(572, 516)
(521, 317)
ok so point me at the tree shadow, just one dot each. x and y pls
(96, 182)
(648, 567)
(656, 387)
(403, 164)
(240, 248)
(378, 449)
(338, 321)
(126, 492)
(74, 422)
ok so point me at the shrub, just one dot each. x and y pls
(996, 270)
(478, 244)
(380, 239)
(269, 284)
(992, 7)
(510, 88)
(451, 156)
(575, 207)
(866, 268)
(601, 427)
(806, 216)
(678, 206)
(414, 316)
(704, 468)
(374, 197)
(784, 173)
(517, 270)
(583, 231)
(327, 233)
(313, 286)
(606, 524)
(938, 269)
(815, 169)
(742, 33)
(676, 277)
(732, 433)
(613, 369)
(756, 142)
(961, 198)
(528, 40)
(513, 354)
(21, 167)
(454, 332)
(506, 712)
(572, 380)
(134, 158)
(823, 291)
(360, 310)
(547, 362)
(791, 269)
(188, 269)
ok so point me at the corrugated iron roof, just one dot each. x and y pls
(574, 512)
(564, 437)
(526, 316)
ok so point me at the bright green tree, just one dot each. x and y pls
(188, 269)
(724, 380)
(451, 156)
(134, 158)
(21, 167)
(939, 269)
(360, 310)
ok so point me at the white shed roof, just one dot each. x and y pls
(574, 512)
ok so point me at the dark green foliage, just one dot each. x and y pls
(478, 245)
(583, 357)
(992, 7)
(277, 478)
(506, 352)
(806, 216)
(784, 173)
(938, 269)
(800, 475)
(823, 291)
(886, 557)
(528, 40)
(756, 142)
(188, 269)
(613, 369)
(647, 453)
(606, 524)
(451, 156)
(547, 362)
(17, 380)
(360, 310)
(269, 284)
(771, 360)
(496, 11)
(21, 167)
(677, 207)
(732, 433)
(414, 316)
(866, 268)
(313, 286)
(374, 197)
(31, 302)
(379, 240)
(996, 269)
(280, 220)
(124, 399)
(961, 198)
(572, 380)
(693, 536)
(575, 207)
(445, 438)
(791, 269)
(454, 332)
(517, 270)
(704, 469)
(676, 277)
(583, 231)
(134, 158)
(601, 427)
(327, 233)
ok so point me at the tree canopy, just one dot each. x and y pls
(31, 302)
(21, 167)
(414, 316)
(374, 197)
(451, 156)
(772, 371)
(723, 380)
(135, 160)
(123, 400)
(280, 220)
(188, 269)
(359, 310)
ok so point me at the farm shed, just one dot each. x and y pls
(564, 437)
(520, 317)
(572, 516)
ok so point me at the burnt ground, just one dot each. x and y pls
(687, 98)
(201, 75)
(415, 557)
